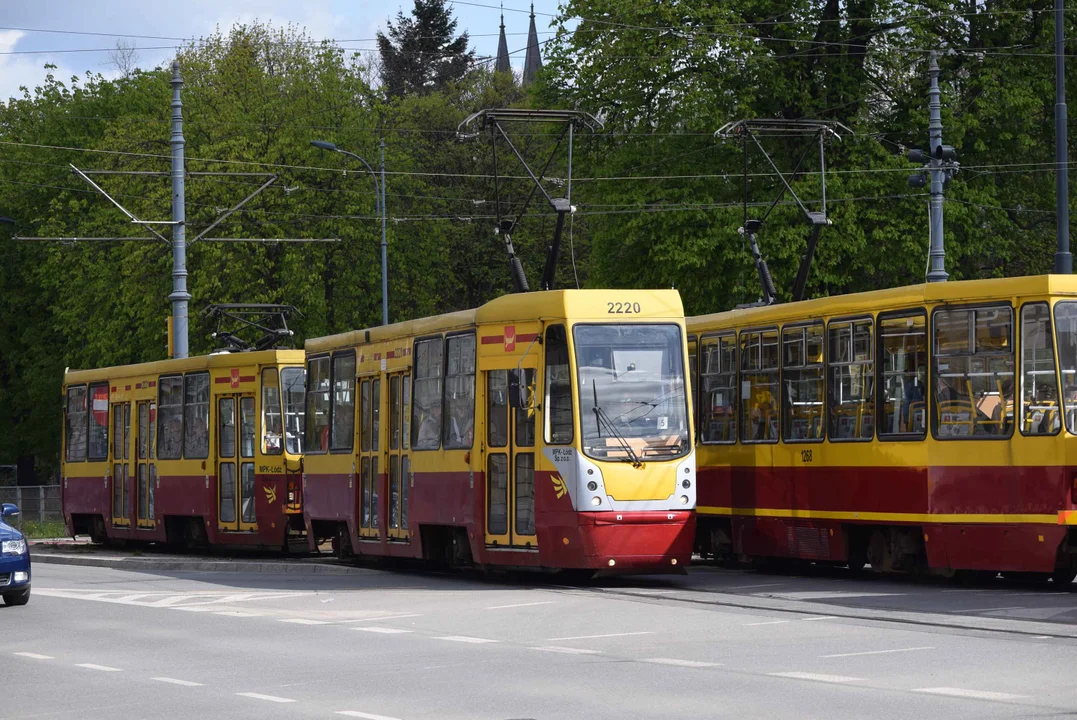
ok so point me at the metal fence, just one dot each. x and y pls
(37, 503)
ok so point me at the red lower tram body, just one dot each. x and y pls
(996, 519)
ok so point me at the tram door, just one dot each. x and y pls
(146, 473)
(510, 458)
(235, 464)
(121, 467)
(370, 458)
(399, 461)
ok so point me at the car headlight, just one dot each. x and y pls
(14, 547)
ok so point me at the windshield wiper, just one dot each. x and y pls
(602, 418)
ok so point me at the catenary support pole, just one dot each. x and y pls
(937, 254)
(1063, 258)
(384, 247)
(179, 296)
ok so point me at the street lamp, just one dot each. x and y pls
(379, 194)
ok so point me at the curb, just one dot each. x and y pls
(138, 564)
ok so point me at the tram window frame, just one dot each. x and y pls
(417, 378)
(693, 344)
(716, 338)
(880, 372)
(971, 345)
(345, 443)
(804, 365)
(554, 425)
(742, 426)
(82, 426)
(1060, 411)
(270, 380)
(103, 437)
(453, 440)
(175, 440)
(313, 445)
(189, 379)
(832, 363)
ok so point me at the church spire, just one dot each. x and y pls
(502, 64)
(533, 59)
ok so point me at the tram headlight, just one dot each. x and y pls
(596, 501)
(592, 486)
(684, 499)
(686, 484)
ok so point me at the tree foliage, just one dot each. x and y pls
(420, 54)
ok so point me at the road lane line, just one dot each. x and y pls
(973, 694)
(381, 618)
(382, 630)
(749, 587)
(984, 610)
(102, 668)
(877, 652)
(304, 621)
(237, 613)
(566, 650)
(816, 676)
(821, 617)
(768, 622)
(191, 608)
(34, 656)
(680, 663)
(592, 637)
(531, 604)
(367, 716)
(466, 639)
(174, 681)
(268, 698)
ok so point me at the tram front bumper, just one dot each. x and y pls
(658, 541)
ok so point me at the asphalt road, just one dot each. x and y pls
(105, 643)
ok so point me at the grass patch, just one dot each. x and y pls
(47, 529)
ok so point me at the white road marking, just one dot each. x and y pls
(466, 639)
(34, 656)
(130, 599)
(304, 621)
(566, 650)
(382, 618)
(102, 668)
(532, 604)
(974, 694)
(609, 635)
(1035, 637)
(816, 676)
(985, 610)
(832, 595)
(749, 587)
(680, 663)
(269, 698)
(768, 622)
(820, 617)
(237, 613)
(367, 716)
(382, 630)
(878, 652)
(192, 608)
(174, 681)
(653, 592)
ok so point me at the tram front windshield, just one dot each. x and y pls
(633, 402)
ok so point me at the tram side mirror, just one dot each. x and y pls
(516, 389)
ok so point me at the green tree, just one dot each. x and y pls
(421, 53)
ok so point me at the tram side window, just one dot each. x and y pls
(558, 387)
(97, 440)
(317, 415)
(272, 419)
(170, 418)
(196, 416)
(802, 383)
(718, 389)
(426, 395)
(293, 380)
(974, 365)
(903, 355)
(1039, 382)
(342, 430)
(460, 391)
(75, 422)
(759, 419)
(852, 381)
(1066, 335)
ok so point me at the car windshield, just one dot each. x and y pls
(632, 391)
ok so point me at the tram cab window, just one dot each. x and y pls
(1066, 335)
(693, 373)
(759, 420)
(272, 419)
(460, 391)
(342, 426)
(317, 414)
(974, 372)
(718, 389)
(1040, 413)
(903, 396)
(851, 391)
(558, 387)
(802, 383)
(427, 395)
(97, 440)
(75, 423)
(293, 380)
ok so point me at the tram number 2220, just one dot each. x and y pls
(623, 308)
(805, 456)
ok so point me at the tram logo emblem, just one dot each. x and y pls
(510, 338)
(235, 377)
(271, 493)
(558, 485)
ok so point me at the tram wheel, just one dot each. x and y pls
(1064, 577)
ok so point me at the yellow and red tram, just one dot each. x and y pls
(541, 430)
(924, 427)
(196, 451)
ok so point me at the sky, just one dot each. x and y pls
(25, 49)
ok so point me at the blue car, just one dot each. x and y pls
(14, 560)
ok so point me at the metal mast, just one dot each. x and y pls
(179, 296)
(1063, 258)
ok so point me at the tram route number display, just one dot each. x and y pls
(623, 308)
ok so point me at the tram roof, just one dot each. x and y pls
(957, 291)
(515, 307)
(189, 364)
